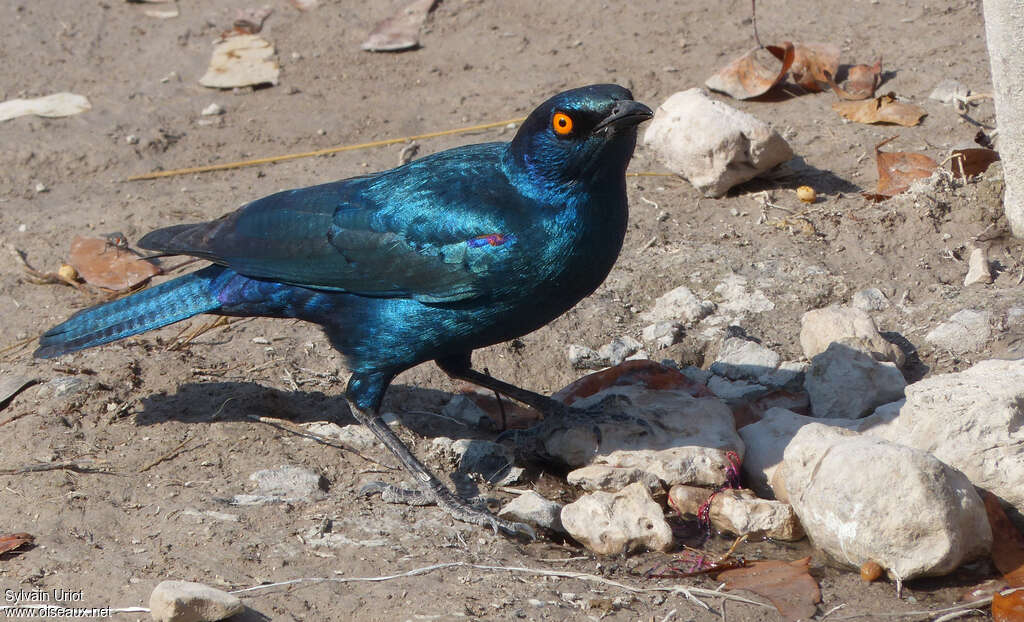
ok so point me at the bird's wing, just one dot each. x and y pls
(439, 229)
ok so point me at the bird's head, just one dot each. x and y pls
(579, 135)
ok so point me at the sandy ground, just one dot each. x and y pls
(114, 536)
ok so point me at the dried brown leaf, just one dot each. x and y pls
(897, 170)
(812, 62)
(971, 161)
(1007, 542)
(861, 82)
(1008, 608)
(754, 73)
(103, 265)
(788, 585)
(883, 109)
(11, 541)
(401, 31)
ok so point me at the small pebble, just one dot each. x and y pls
(131, 139)
(870, 571)
(213, 110)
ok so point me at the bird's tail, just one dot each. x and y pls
(151, 308)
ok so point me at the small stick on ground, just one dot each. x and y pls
(77, 467)
(177, 345)
(171, 454)
(286, 426)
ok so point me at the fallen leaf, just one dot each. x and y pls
(861, 81)
(1007, 541)
(103, 265)
(11, 541)
(646, 373)
(241, 60)
(401, 31)
(897, 169)
(982, 590)
(1008, 608)
(812, 62)
(754, 73)
(971, 161)
(883, 109)
(56, 105)
(788, 585)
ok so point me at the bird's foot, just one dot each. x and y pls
(453, 505)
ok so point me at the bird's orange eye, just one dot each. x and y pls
(561, 123)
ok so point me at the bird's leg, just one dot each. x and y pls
(431, 490)
(460, 367)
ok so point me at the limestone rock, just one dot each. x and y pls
(843, 382)
(669, 433)
(618, 350)
(740, 512)
(966, 331)
(871, 299)
(284, 484)
(183, 601)
(978, 270)
(663, 334)
(737, 299)
(678, 305)
(582, 357)
(854, 327)
(711, 144)
(864, 499)
(612, 479)
(614, 523)
(971, 420)
(741, 359)
(531, 507)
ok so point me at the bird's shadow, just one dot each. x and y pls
(210, 402)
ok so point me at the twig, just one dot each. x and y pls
(18, 344)
(914, 614)
(753, 19)
(831, 611)
(688, 592)
(668, 616)
(286, 426)
(171, 454)
(318, 152)
(77, 467)
(177, 345)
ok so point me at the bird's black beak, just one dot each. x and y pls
(625, 113)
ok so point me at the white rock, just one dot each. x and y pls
(740, 359)
(663, 334)
(355, 435)
(582, 357)
(847, 383)
(1015, 317)
(789, 376)
(614, 523)
(871, 299)
(464, 409)
(489, 459)
(711, 144)
(738, 300)
(966, 331)
(284, 484)
(619, 349)
(971, 420)
(531, 507)
(821, 327)
(678, 305)
(863, 499)
(184, 601)
(736, 390)
(213, 110)
(670, 434)
(949, 90)
(978, 270)
(612, 479)
(740, 512)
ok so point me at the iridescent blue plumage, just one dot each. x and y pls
(429, 261)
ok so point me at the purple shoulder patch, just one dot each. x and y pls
(492, 239)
